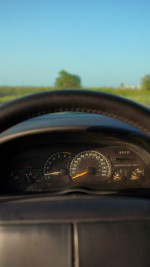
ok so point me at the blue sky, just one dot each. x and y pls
(104, 42)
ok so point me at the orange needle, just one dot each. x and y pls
(79, 175)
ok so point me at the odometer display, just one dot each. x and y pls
(90, 164)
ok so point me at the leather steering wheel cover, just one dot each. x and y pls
(77, 101)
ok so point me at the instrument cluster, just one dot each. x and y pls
(62, 168)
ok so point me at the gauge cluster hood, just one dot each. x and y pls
(67, 121)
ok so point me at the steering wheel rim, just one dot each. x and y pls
(77, 101)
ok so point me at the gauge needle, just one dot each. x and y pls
(53, 173)
(79, 175)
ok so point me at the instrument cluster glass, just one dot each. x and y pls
(95, 168)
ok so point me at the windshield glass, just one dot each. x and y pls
(96, 45)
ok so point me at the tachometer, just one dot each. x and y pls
(56, 168)
(88, 164)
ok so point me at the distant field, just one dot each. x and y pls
(10, 93)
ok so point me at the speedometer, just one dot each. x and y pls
(88, 164)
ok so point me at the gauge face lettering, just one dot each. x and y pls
(89, 164)
(56, 168)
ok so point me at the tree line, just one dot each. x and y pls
(66, 80)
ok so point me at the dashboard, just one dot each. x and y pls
(87, 159)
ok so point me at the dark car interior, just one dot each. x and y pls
(75, 181)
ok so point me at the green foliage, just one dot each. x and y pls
(140, 96)
(145, 85)
(10, 93)
(67, 81)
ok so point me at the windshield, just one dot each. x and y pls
(96, 45)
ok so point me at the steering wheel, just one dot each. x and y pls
(76, 101)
